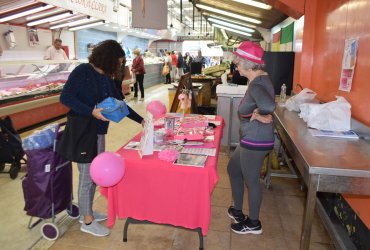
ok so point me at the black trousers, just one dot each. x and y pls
(140, 81)
(168, 78)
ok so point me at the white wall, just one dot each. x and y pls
(23, 50)
(68, 38)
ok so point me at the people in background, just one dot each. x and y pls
(1, 68)
(187, 61)
(180, 64)
(139, 71)
(56, 51)
(168, 61)
(236, 78)
(174, 66)
(79, 94)
(118, 80)
(256, 138)
(200, 58)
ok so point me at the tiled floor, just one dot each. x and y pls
(281, 213)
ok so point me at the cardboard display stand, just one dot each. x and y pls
(184, 83)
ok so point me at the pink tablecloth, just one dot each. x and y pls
(161, 192)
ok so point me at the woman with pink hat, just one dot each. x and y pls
(256, 138)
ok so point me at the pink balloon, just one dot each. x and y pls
(156, 108)
(107, 169)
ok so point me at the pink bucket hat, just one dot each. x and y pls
(250, 51)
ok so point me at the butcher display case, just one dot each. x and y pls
(30, 90)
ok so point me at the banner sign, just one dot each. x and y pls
(149, 14)
(99, 9)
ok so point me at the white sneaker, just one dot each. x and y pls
(95, 229)
(98, 217)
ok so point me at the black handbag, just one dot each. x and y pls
(79, 141)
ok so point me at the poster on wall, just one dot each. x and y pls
(33, 38)
(348, 64)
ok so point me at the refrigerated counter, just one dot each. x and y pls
(228, 99)
(29, 90)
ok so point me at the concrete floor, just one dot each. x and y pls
(281, 213)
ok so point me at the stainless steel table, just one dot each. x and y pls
(325, 164)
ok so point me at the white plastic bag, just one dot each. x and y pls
(308, 110)
(133, 78)
(334, 116)
(305, 96)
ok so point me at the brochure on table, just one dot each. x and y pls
(193, 150)
(328, 133)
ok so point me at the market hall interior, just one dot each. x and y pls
(281, 212)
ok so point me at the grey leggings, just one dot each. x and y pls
(245, 166)
(86, 186)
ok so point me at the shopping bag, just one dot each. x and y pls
(133, 78)
(305, 96)
(334, 116)
(113, 109)
(166, 70)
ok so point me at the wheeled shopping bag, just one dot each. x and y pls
(11, 151)
(47, 187)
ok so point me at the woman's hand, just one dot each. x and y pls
(143, 123)
(98, 115)
(261, 118)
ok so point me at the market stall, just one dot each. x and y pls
(180, 191)
(30, 90)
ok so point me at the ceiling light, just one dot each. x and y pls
(188, 18)
(230, 25)
(255, 4)
(177, 10)
(87, 25)
(232, 21)
(68, 19)
(50, 19)
(15, 6)
(224, 34)
(73, 23)
(226, 13)
(45, 14)
(26, 12)
(232, 30)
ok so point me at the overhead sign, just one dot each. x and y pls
(149, 14)
(195, 38)
(100, 9)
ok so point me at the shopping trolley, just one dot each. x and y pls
(47, 187)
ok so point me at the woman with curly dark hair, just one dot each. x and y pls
(87, 85)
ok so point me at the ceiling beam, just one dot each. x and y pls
(292, 8)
